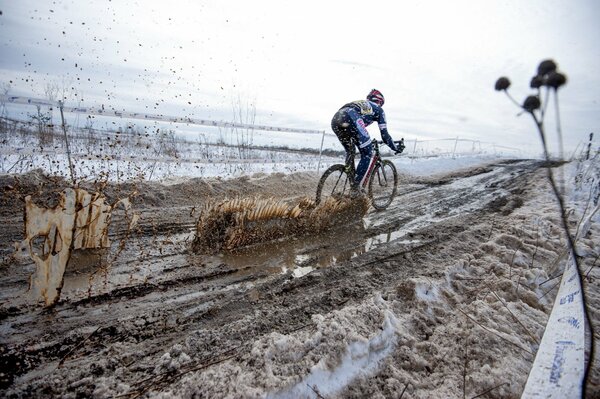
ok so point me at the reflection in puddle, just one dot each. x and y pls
(302, 259)
(302, 271)
(374, 242)
(299, 256)
(167, 257)
(296, 256)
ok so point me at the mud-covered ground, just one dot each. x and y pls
(444, 294)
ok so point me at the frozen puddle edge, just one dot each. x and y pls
(361, 358)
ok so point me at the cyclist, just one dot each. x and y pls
(350, 126)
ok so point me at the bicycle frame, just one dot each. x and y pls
(337, 178)
(375, 160)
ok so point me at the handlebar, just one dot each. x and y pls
(399, 144)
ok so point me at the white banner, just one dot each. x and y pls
(559, 367)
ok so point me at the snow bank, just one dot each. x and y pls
(321, 361)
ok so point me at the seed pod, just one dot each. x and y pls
(502, 84)
(531, 103)
(536, 82)
(556, 79)
(546, 67)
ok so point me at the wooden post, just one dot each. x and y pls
(320, 152)
(455, 144)
(64, 127)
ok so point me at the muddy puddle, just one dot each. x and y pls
(297, 256)
(301, 255)
(164, 259)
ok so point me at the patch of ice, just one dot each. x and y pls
(361, 357)
(302, 258)
(426, 292)
(300, 271)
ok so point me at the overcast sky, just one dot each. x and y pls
(436, 62)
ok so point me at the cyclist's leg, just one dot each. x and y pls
(363, 142)
(366, 159)
(342, 127)
(349, 144)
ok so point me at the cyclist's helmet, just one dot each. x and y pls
(376, 96)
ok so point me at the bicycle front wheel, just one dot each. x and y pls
(383, 185)
(334, 183)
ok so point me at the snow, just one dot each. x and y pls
(361, 357)
(173, 360)
(426, 292)
(428, 166)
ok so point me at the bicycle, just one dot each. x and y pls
(381, 180)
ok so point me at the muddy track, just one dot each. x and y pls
(221, 304)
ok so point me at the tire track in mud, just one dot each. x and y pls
(221, 307)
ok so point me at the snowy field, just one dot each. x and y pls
(160, 153)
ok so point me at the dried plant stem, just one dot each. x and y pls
(512, 99)
(560, 143)
(489, 390)
(551, 278)
(316, 392)
(591, 267)
(587, 205)
(512, 262)
(492, 228)
(537, 244)
(557, 194)
(404, 390)
(495, 333)
(20, 159)
(64, 128)
(515, 317)
(545, 104)
(466, 362)
(79, 345)
(550, 290)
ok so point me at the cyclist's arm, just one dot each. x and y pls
(385, 136)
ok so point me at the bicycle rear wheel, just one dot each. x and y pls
(383, 185)
(334, 183)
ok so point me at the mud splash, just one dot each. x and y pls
(236, 223)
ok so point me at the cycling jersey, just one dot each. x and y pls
(368, 112)
(350, 125)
